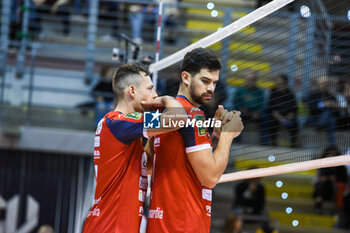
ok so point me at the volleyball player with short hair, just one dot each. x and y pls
(185, 168)
(119, 157)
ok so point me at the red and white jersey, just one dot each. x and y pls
(179, 203)
(120, 170)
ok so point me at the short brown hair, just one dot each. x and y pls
(126, 75)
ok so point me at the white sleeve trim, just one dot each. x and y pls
(198, 148)
(145, 134)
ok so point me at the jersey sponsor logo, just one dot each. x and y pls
(133, 115)
(142, 195)
(201, 129)
(151, 120)
(99, 126)
(207, 194)
(97, 141)
(208, 209)
(157, 213)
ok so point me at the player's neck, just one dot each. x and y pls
(124, 107)
(185, 92)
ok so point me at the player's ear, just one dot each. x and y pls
(132, 90)
(185, 76)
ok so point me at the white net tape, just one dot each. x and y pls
(287, 168)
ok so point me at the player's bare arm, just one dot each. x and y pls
(209, 166)
(149, 149)
(174, 113)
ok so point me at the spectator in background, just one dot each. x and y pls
(109, 12)
(103, 100)
(249, 197)
(282, 108)
(323, 109)
(103, 93)
(249, 100)
(170, 15)
(147, 60)
(77, 8)
(15, 20)
(343, 99)
(136, 18)
(250, 201)
(331, 183)
(58, 7)
(303, 111)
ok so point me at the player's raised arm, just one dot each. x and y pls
(173, 118)
(208, 165)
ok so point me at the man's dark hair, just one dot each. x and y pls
(126, 75)
(200, 58)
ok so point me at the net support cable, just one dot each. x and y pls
(286, 168)
(221, 34)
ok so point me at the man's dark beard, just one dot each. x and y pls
(198, 99)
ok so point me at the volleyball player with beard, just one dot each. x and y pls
(185, 167)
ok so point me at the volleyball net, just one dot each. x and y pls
(285, 67)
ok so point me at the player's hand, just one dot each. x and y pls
(223, 115)
(149, 149)
(218, 112)
(226, 116)
(217, 130)
(233, 127)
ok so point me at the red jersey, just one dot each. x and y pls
(179, 203)
(121, 175)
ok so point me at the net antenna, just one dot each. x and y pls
(159, 33)
(221, 34)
